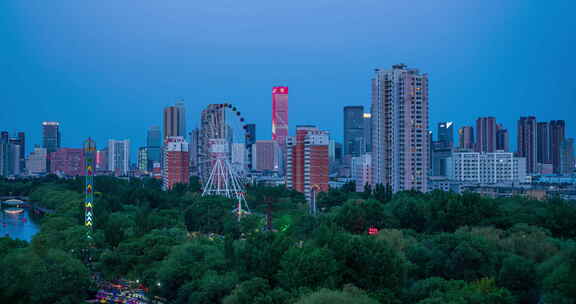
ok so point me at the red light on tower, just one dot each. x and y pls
(372, 231)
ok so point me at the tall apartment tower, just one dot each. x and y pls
(400, 148)
(153, 146)
(307, 158)
(466, 138)
(176, 168)
(119, 156)
(557, 136)
(445, 134)
(527, 145)
(567, 156)
(175, 120)
(543, 143)
(368, 132)
(502, 138)
(354, 142)
(486, 134)
(280, 115)
(51, 136)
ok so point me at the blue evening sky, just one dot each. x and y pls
(107, 68)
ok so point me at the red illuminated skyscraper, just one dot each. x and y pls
(280, 115)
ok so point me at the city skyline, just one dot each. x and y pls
(62, 82)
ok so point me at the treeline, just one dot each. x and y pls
(431, 248)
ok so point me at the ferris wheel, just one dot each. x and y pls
(223, 154)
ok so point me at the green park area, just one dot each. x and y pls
(428, 248)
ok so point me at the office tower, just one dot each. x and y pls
(14, 158)
(280, 115)
(400, 149)
(102, 160)
(440, 154)
(567, 156)
(466, 138)
(4, 141)
(485, 134)
(332, 151)
(193, 148)
(143, 159)
(174, 120)
(487, 168)
(527, 145)
(338, 151)
(36, 162)
(176, 160)
(502, 139)
(557, 133)
(119, 156)
(250, 141)
(307, 163)
(367, 132)
(361, 171)
(67, 162)
(51, 136)
(266, 155)
(154, 145)
(543, 143)
(182, 108)
(21, 141)
(354, 143)
(445, 134)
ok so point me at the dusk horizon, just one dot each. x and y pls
(66, 62)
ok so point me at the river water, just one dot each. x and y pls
(18, 226)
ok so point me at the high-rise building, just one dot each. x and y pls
(527, 144)
(557, 136)
(11, 148)
(102, 160)
(119, 156)
(51, 136)
(354, 142)
(486, 168)
(485, 134)
(307, 161)
(250, 141)
(543, 143)
(193, 148)
(361, 171)
(567, 156)
(502, 139)
(440, 155)
(368, 132)
(466, 138)
(280, 115)
(67, 162)
(143, 159)
(36, 163)
(176, 159)
(174, 120)
(266, 155)
(445, 134)
(153, 145)
(400, 151)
